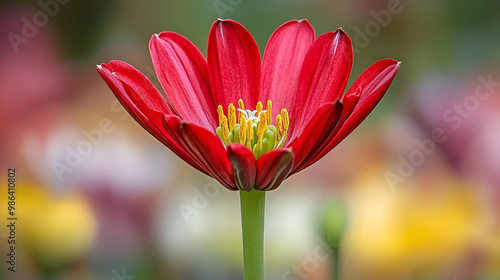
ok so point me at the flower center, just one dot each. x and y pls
(254, 129)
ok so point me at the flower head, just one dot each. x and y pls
(248, 123)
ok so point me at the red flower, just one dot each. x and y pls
(303, 77)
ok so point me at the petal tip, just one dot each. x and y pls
(396, 64)
(155, 38)
(306, 22)
(223, 20)
(340, 32)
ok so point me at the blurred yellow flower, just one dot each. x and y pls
(488, 239)
(54, 230)
(414, 231)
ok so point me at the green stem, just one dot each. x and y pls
(336, 263)
(252, 220)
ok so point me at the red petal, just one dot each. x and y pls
(244, 168)
(182, 71)
(272, 168)
(171, 125)
(361, 98)
(207, 149)
(323, 77)
(282, 61)
(142, 90)
(324, 123)
(233, 64)
(350, 100)
(372, 85)
(143, 102)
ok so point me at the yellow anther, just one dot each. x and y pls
(243, 130)
(231, 114)
(220, 111)
(249, 130)
(262, 126)
(279, 128)
(225, 128)
(269, 111)
(286, 121)
(243, 120)
(242, 107)
(259, 108)
(253, 129)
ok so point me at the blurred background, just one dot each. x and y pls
(99, 198)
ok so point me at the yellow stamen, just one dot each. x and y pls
(259, 108)
(249, 133)
(243, 130)
(261, 129)
(254, 129)
(279, 128)
(225, 128)
(269, 112)
(220, 111)
(242, 107)
(262, 126)
(286, 121)
(231, 114)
